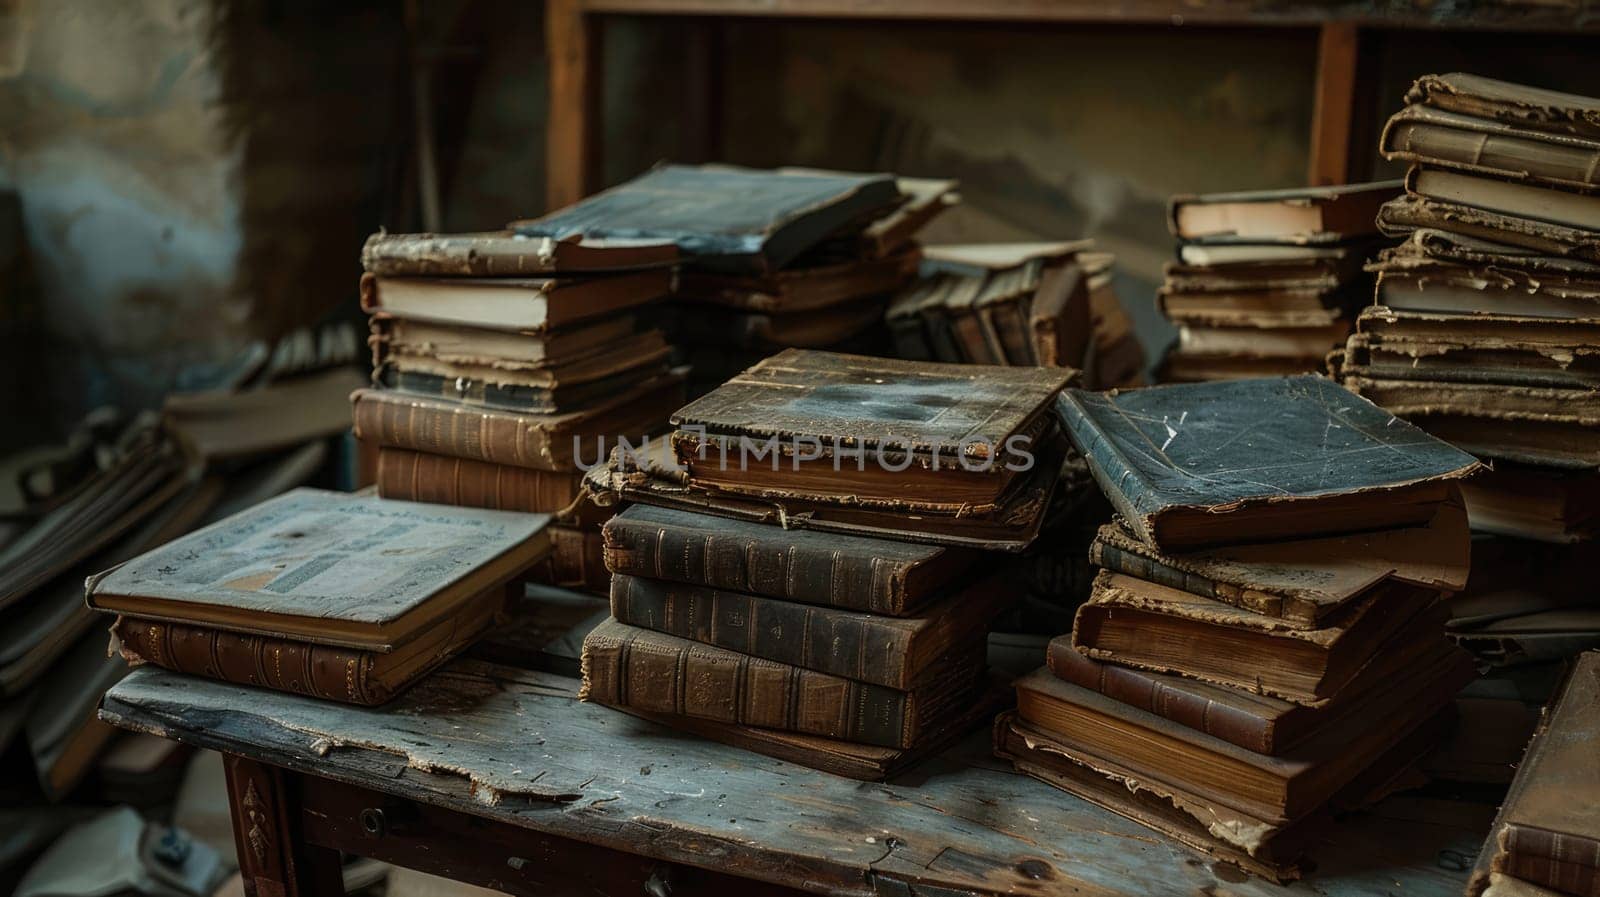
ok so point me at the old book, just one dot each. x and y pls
(1001, 312)
(351, 571)
(723, 217)
(1308, 274)
(1227, 779)
(1538, 637)
(506, 254)
(1548, 829)
(1490, 331)
(1482, 146)
(894, 652)
(1137, 623)
(1059, 319)
(1274, 850)
(980, 418)
(519, 304)
(502, 391)
(329, 672)
(1217, 463)
(1262, 723)
(1534, 503)
(405, 475)
(961, 314)
(1303, 582)
(1375, 357)
(628, 353)
(866, 762)
(655, 477)
(1302, 309)
(983, 259)
(1546, 111)
(1299, 215)
(1516, 200)
(887, 231)
(577, 560)
(1576, 412)
(1465, 291)
(408, 337)
(223, 425)
(874, 576)
(543, 442)
(801, 289)
(1184, 367)
(1255, 253)
(1260, 341)
(652, 671)
(1404, 216)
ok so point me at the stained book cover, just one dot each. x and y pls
(726, 218)
(1492, 148)
(1534, 108)
(875, 576)
(325, 567)
(1201, 464)
(651, 671)
(506, 254)
(889, 651)
(1548, 829)
(1303, 581)
(1405, 215)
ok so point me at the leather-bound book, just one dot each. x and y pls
(725, 218)
(940, 438)
(1548, 829)
(1059, 319)
(1303, 582)
(1223, 776)
(324, 571)
(536, 305)
(874, 576)
(625, 352)
(552, 442)
(504, 254)
(1534, 108)
(1404, 216)
(889, 651)
(1137, 623)
(417, 476)
(1257, 722)
(486, 387)
(1201, 464)
(1299, 215)
(626, 666)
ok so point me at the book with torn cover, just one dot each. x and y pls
(1301, 215)
(507, 254)
(1194, 465)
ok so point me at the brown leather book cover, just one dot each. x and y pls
(328, 672)
(1548, 830)
(1256, 722)
(1429, 136)
(504, 254)
(894, 652)
(1405, 215)
(1138, 623)
(405, 475)
(551, 442)
(1535, 108)
(577, 560)
(632, 667)
(625, 351)
(1303, 582)
(801, 289)
(876, 576)
(1059, 318)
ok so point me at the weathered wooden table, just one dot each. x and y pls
(500, 777)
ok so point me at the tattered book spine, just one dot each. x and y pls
(856, 646)
(417, 476)
(774, 568)
(1144, 691)
(629, 667)
(318, 671)
(456, 431)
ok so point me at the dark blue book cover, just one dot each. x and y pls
(1247, 460)
(725, 218)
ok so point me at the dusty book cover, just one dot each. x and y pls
(506, 254)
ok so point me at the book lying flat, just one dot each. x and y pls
(891, 651)
(1517, 200)
(1304, 215)
(1202, 464)
(1546, 111)
(404, 475)
(506, 254)
(1481, 146)
(1404, 216)
(1369, 357)
(1303, 582)
(1501, 409)
(801, 289)
(520, 304)
(1137, 623)
(328, 568)
(504, 393)
(724, 218)
(625, 354)
(1534, 503)
(980, 259)
(1228, 778)
(874, 576)
(625, 666)
(409, 337)
(1260, 340)
(1548, 829)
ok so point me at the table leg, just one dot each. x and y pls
(273, 857)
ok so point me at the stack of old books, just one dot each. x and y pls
(502, 364)
(1486, 330)
(1545, 842)
(1267, 282)
(348, 598)
(804, 574)
(1265, 637)
(831, 296)
(1017, 304)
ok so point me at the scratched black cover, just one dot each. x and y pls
(915, 406)
(1230, 446)
(728, 218)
